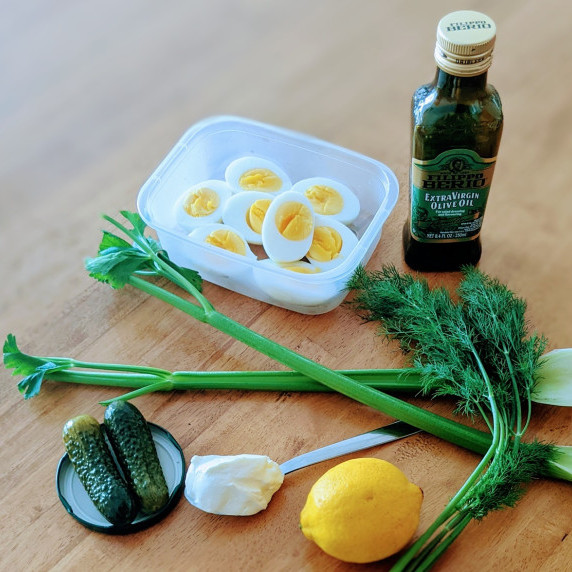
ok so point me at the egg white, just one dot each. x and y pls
(235, 213)
(278, 247)
(188, 222)
(349, 242)
(240, 166)
(351, 204)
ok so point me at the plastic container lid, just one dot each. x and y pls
(78, 504)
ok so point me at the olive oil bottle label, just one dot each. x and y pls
(449, 195)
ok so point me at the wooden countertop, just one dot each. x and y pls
(95, 95)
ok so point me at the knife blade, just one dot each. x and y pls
(385, 434)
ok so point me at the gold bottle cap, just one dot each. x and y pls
(465, 42)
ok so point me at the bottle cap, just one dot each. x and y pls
(465, 42)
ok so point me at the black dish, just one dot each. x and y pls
(79, 505)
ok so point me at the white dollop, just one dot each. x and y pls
(234, 485)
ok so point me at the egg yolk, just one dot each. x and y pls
(201, 202)
(260, 180)
(294, 220)
(302, 269)
(256, 213)
(227, 240)
(326, 244)
(325, 200)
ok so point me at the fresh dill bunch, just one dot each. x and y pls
(478, 350)
(429, 326)
(442, 336)
(502, 339)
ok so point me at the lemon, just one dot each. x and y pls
(362, 510)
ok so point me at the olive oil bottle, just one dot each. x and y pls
(456, 124)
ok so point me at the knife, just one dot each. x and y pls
(386, 434)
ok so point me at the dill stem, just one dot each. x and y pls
(454, 504)
(437, 539)
(450, 509)
(448, 539)
(529, 409)
(518, 431)
(484, 416)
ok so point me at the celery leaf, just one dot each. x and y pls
(21, 363)
(33, 368)
(115, 264)
(118, 260)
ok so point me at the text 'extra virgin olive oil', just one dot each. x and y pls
(456, 125)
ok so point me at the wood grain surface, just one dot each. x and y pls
(94, 95)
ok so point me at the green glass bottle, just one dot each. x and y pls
(456, 126)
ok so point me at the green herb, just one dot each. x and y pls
(479, 351)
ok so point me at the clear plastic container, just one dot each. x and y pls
(205, 151)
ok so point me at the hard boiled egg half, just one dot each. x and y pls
(256, 174)
(201, 204)
(288, 227)
(227, 248)
(330, 198)
(246, 212)
(332, 243)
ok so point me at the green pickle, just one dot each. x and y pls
(456, 128)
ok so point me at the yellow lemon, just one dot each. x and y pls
(362, 510)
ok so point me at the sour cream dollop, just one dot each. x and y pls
(236, 485)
